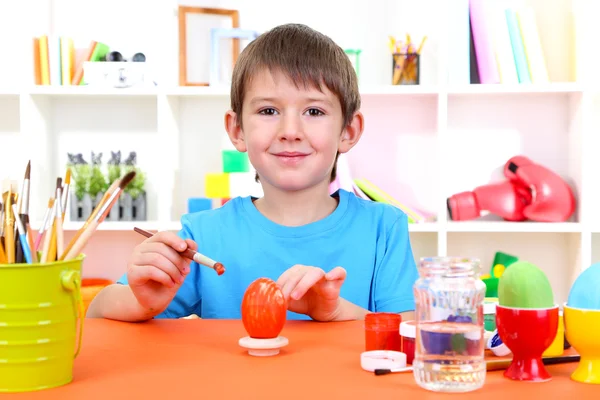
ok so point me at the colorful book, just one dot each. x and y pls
(517, 46)
(377, 194)
(483, 40)
(532, 45)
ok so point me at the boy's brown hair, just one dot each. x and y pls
(308, 57)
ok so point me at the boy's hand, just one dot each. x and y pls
(311, 291)
(156, 270)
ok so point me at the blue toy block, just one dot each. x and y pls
(196, 204)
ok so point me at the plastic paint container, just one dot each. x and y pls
(408, 332)
(382, 331)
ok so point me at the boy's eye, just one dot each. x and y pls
(267, 111)
(315, 112)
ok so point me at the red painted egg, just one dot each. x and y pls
(263, 309)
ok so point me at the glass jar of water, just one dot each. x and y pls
(450, 345)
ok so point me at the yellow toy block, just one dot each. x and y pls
(216, 186)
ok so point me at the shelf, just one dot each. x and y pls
(481, 89)
(367, 90)
(114, 225)
(432, 227)
(63, 91)
(508, 227)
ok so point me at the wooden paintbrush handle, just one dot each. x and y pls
(82, 241)
(3, 259)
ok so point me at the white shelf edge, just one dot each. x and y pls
(115, 225)
(431, 227)
(515, 227)
(366, 90)
(548, 88)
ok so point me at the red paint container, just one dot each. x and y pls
(382, 331)
(408, 333)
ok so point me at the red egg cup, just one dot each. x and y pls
(527, 332)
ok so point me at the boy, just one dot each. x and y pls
(294, 107)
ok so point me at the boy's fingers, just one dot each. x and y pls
(170, 239)
(166, 251)
(338, 273)
(283, 278)
(144, 273)
(161, 263)
(191, 244)
(308, 280)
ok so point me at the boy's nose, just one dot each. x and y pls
(291, 128)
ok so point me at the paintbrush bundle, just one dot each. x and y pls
(17, 242)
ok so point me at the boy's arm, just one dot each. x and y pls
(396, 271)
(118, 302)
(350, 311)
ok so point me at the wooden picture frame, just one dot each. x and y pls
(183, 12)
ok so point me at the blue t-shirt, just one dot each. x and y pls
(368, 239)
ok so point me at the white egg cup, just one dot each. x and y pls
(263, 347)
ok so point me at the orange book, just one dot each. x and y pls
(87, 55)
(37, 67)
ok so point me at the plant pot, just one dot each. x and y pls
(139, 207)
(115, 213)
(125, 202)
(81, 209)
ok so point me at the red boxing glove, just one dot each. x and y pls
(553, 199)
(505, 199)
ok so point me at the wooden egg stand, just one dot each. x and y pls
(263, 347)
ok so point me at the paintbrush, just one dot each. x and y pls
(65, 194)
(9, 239)
(44, 226)
(107, 194)
(2, 252)
(88, 231)
(192, 255)
(494, 365)
(53, 253)
(22, 211)
(23, 241)
(58, 219)
(48, 236)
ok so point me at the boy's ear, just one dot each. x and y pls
(234, 130)
(351, 133)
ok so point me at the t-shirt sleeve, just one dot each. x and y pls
(188, 296)
(396, 271)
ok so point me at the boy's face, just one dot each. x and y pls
(292, 135)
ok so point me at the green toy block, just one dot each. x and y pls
(501, 262)
(216, 186)
(235, 161)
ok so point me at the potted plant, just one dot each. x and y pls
(134, 195)
(97, 185)
(114, 173)
(81, 203)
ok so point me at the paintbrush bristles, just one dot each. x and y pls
(126, 180)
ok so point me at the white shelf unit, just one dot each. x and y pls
(421, 143)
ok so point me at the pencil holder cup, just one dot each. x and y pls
(41, 324)
(405, 68)
(582, 327)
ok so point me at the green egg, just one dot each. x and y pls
(524, 285)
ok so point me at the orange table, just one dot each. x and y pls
(201, 359)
